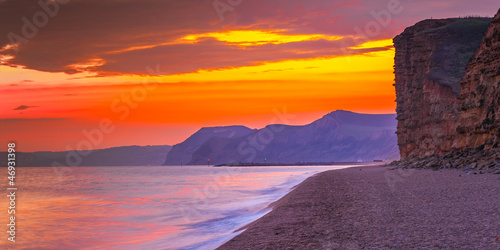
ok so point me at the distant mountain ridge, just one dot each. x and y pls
(181, 153)
(337, 136)
(116, 156)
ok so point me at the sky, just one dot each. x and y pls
(151, 72)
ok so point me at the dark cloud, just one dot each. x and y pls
(14, 120)
(23, 107)
(85, 30)
(213, 54)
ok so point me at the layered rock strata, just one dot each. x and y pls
(431, 58)
(442, 122)
(479, 113)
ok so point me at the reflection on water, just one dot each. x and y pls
(142, 207)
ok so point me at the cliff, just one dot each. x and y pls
(447, 79)
(479, 117)
(430, 61)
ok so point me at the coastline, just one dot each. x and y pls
(375, 206)
(304, 164)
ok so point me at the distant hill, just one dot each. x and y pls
(338, 136)
(118, 156)
(181, 153)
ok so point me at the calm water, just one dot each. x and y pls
(142, 207)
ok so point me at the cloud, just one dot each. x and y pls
(23, 107)
(13, 120)
(212, 54)
(82, 35)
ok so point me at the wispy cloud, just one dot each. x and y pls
(23, 107)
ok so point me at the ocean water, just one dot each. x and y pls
(190, 207)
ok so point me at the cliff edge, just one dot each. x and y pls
(430, 61)
(479, 117)
(447, 80)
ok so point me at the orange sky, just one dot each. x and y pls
(158, 81)
(167, 108)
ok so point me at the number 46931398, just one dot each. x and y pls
(11, 155)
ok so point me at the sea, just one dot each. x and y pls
(144, 207)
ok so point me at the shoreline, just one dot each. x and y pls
(278, 164)
(376, 206)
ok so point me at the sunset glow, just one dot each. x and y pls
(175, 75)
(257, 37)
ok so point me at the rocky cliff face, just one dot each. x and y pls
(443, 124)
(431, 58)
(479, 114)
